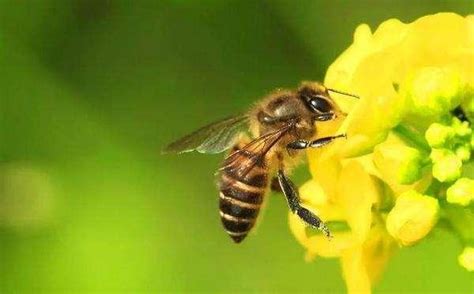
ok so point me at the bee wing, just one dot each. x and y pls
(243, 160)
(213, 138)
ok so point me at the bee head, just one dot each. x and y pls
(316, 98)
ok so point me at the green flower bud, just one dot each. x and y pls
(398, 162)
(434, 91)
(466, 258)
(437, 134)
(438, 154)
(448, 168)
(463, 152)
(462, 129)
(462, 192)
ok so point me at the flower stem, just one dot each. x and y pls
(411, 136)
(462, 221)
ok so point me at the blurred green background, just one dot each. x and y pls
(91, 90)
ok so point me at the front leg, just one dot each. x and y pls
(293, 199)
(303, 144)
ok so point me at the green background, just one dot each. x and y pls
(91, 90)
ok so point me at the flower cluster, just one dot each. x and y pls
(407, 162)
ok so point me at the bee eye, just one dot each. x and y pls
(320, 104)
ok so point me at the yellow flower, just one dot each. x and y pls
(412, 218)
(362, 265)
(364, 246)
(406, 83)
(433, 90)
(376, 64)
(313, 197)
(351, 203)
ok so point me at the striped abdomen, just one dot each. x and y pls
(241, 197)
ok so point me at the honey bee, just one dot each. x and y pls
(281, 125)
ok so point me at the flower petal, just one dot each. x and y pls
(362, 265)
(357, 192)
(315, 199)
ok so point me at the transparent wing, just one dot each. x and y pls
(213, 138)
(243, 160)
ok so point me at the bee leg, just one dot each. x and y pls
(275, 185)
(325, 116)
(291, 194)
(303, 144)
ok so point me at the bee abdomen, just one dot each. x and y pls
(240, 200)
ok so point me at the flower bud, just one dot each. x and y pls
(437, 134)
(412, 217)
(462, 129)
(438, 154)
(434, 91)
(466, 258)
(448, 168)
(398, 162)
(462, 192)
(463, 152)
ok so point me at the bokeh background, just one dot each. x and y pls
(91, 90)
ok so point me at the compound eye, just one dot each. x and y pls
(320, 104)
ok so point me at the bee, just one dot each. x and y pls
(281, 125)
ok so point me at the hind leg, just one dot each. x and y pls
(291, 194)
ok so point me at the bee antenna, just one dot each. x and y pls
(343, 93)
